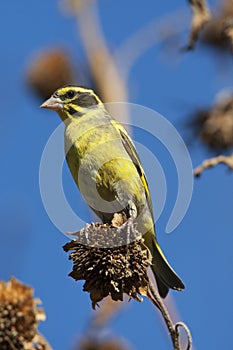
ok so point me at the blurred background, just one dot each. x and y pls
(126, 51)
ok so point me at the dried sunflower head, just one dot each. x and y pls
(217, 129)
(110, 269)
(217, 32)
(48, 71)
(214, 126)
(19, 317)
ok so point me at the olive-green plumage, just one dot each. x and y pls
(107, 170)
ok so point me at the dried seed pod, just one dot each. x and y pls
(107, 264)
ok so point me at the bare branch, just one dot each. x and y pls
(104, 70)
(209, 163)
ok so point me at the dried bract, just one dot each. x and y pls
(201, 15)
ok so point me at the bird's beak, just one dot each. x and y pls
(53, 103)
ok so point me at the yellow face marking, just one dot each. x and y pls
(78, 90)
(76, 101)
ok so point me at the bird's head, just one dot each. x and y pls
(72, 101)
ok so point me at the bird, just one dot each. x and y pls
(106, 168)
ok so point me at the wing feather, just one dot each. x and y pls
(132, 152)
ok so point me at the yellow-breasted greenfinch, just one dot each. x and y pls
(107, 170)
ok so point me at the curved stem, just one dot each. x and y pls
(187, 331)
(154, 296)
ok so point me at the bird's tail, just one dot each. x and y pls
(164, 274)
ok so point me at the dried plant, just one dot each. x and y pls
(215, 125)
(48, 71)
(212, 162)
(217, 32)
(108, 265)
(113, 261)
(228, 31)
(20, 317)
(201, 15)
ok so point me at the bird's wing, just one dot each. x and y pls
(131, 150)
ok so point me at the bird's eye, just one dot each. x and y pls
(70, 94)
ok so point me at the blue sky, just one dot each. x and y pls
(200, 249)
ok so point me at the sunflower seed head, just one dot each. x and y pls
(112, 269)
(19, 316)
